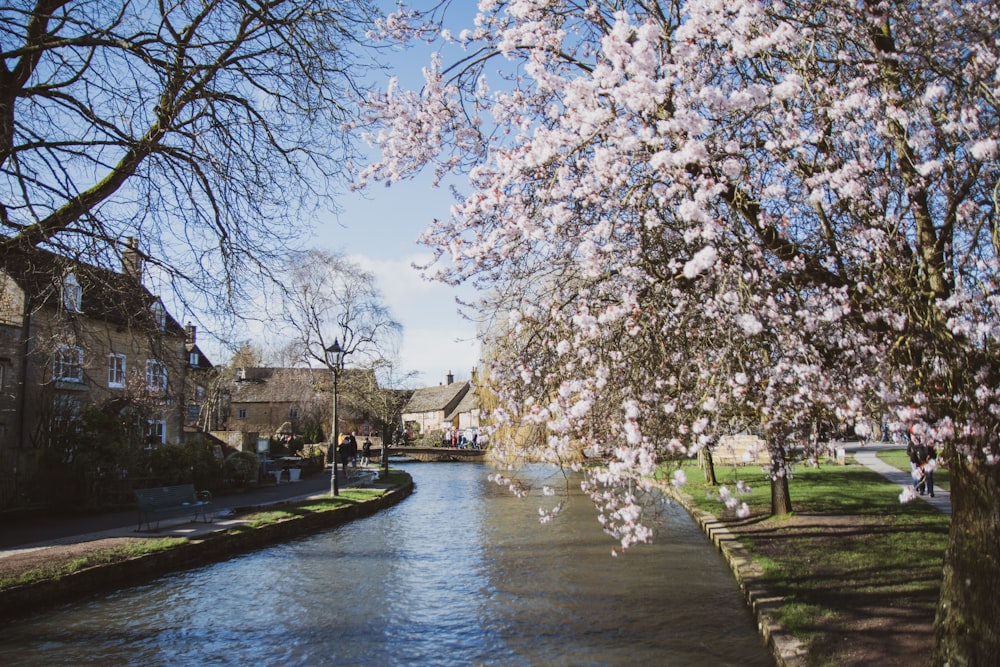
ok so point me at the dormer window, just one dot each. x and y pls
(72, 293)
(159, 315)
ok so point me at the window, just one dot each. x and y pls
(155, 433)
(156, 375)
(67, 364)
(116, 370)
(72, 293)
(193, 359)
(199, 393)
(293, 413)
(241, 413)
(159, 315)
(65, 414)
(193, 412)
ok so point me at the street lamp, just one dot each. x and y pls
(334, 359)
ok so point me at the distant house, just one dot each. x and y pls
(451, 405)
(202, 404)
(73, 335)
(290, 402)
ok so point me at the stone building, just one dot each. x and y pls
(73, 335)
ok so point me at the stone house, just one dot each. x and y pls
(73, 335)
(433, 409)
(283, 403)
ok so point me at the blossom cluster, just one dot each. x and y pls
(740, 216)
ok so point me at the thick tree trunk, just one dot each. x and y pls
(781, 500)
(967, 626)
(707, 465)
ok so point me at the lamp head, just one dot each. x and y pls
(335, 353)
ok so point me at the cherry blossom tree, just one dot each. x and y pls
(699, 211)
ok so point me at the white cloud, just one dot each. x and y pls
(436, 338)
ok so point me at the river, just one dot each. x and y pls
(459, 573)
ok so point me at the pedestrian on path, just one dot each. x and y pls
(366, 451)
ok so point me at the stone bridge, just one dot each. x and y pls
(431, 454)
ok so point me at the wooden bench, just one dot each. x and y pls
(165, 501)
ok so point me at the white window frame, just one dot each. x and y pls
(156, 375)
(116, 370)
(156, 433)
(194, 359)
(67, 364)
(72, 293)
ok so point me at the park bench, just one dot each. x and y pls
(162, 501)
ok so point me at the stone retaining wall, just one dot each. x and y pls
(16, 602)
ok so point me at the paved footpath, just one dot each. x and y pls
(867, 455)
(41, 532)
(27, 534)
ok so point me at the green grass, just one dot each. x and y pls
(848, 547)
(115, 554)
(348, 496)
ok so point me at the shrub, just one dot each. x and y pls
(242, 467)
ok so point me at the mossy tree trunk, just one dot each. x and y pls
(967, 625)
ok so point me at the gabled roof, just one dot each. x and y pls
(289, 385)
(106, 295)
(468, 403)
(431, 399)
(279, 385)
(203, 361)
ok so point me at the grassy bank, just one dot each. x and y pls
(51, 566)
(850, 560)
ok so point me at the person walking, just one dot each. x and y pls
(366, 451)
(928, 464)
(344, 451)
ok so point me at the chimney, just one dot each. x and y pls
(450, 378)
(189, 333)
(132, 260)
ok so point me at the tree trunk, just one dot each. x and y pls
(707, 465)
(967, 625)
(781, 500)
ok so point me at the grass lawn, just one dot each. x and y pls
(850, 560)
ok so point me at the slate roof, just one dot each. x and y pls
(442, 397)
(468, 403)
(266, 384)
(107, 295)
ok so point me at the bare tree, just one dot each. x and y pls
(203, 129)
(329, 298)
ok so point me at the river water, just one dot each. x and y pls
(460, 573)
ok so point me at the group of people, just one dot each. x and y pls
(923, 460)
(348, 451)
(459, 439)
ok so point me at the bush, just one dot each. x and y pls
(241, 467)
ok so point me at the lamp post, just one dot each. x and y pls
(334, 358)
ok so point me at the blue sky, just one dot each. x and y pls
(380, 232)
(378, 229)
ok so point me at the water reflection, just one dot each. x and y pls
(459, 574)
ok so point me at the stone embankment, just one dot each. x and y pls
(212, 546)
